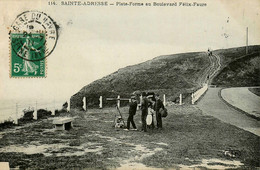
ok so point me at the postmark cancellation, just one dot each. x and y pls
(33, 37)
(27, 52)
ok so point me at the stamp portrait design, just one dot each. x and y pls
(33, 37)
(25, 50)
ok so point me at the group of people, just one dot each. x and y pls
(150, 106)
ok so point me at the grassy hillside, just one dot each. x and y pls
(239, 70)
(231, 54)
(256, 91)
(171, 75)
(168, 74)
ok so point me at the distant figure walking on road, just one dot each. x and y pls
(144, 108)
(157, 106)
(132, 111)
(209, 52)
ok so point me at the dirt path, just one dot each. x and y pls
(214, 67)
(212, 104)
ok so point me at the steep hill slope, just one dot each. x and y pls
(231, 54)
(167, 74)
(241, 72)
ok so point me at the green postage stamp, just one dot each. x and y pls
(33, 37)
(27, 54)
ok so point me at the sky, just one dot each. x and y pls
(96, 41)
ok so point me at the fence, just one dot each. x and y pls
(13, 110)
(196, 95)
(117, 100)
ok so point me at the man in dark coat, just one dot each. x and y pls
(132, 111)
(157, 106)
(144, 108)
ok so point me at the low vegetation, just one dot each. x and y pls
(242, 72)
(256, 91)
(187, 138)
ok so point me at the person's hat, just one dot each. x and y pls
(137, 92)
(144, 94)
(150, 93)
(150, 96)
(133, 97)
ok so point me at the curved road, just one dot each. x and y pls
(243, 99)
(211, 104)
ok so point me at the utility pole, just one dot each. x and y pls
(246, 40)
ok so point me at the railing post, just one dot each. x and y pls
(180, 99)
(164, 100)
(84, 103)
(100, 102)
(68, 108)
(34, 112)
(54, 108)
(35, 116)
(118, 101)
(196, 95)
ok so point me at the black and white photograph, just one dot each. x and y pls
(129, 84)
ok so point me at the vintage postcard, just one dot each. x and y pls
(129, 84)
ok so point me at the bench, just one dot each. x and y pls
(63, 123)
(4, 166)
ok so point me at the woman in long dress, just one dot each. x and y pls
(25, 51)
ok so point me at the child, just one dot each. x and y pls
(150, 116)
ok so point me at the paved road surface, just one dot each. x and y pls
(212, 104)
(243, 99)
